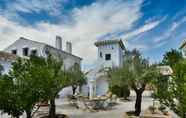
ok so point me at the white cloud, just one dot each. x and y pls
(170, 31)
(30, 6)
(147, 27)
(89, 23)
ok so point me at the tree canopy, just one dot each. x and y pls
(137, 73)
(31, 81)
(76, 77)
(172, 57)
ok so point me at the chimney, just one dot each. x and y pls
(59, 42)
(69, 47)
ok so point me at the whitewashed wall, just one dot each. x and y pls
(68, 59)
(23, 43)
(116, 54)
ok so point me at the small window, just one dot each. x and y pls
(14, 51)
(107, 57)
(101, 55)
(34, 52)
(47, 52)
(25, 51)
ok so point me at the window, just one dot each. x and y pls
(47, 52)
(107, 57)
(25, 51)
(14, 51)
(34, 52)
(101, 55)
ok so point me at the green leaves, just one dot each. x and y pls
(75, 76)
(179, 90)
(9, 101)
(172, 57)
(171, 90)
(29, 82)
(136, 71)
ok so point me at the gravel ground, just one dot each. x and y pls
(116, 112)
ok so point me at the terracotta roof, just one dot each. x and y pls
(7, 56)
(183, 44)
(105, 42)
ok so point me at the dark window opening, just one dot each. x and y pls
(14, 51)
(34, 52)
(101, 55)
(107, 56)
(47, 52)
(25, 51)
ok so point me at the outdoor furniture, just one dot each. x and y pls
(96, 103)
(100, 103)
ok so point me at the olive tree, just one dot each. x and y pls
(76, 77)
(173, 94)
(19, 92)
(9, 103)
(50, 71)
(136, 72)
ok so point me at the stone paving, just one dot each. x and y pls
(117, 111)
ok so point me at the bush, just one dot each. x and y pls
(121, 91)
(126, 92)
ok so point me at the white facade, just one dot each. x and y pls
(110, 54)
(24, 47)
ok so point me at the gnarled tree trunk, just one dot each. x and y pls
(139, 92)
(28, 114)
(138, 102)
(74, 89)
(52, 108)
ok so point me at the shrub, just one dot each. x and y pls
(121, 91)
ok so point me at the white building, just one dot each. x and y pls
(110, 54)
(24, 48)
(183, 49)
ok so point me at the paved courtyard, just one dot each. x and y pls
(117, 111)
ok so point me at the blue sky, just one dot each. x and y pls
(152, 26)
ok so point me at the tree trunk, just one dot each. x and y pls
(28, 114)
(52, 109)
(74, 90)
(138, 103)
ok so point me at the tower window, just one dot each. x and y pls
(14, 51)
(100, 54)
(107, 57)
(25, 51)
